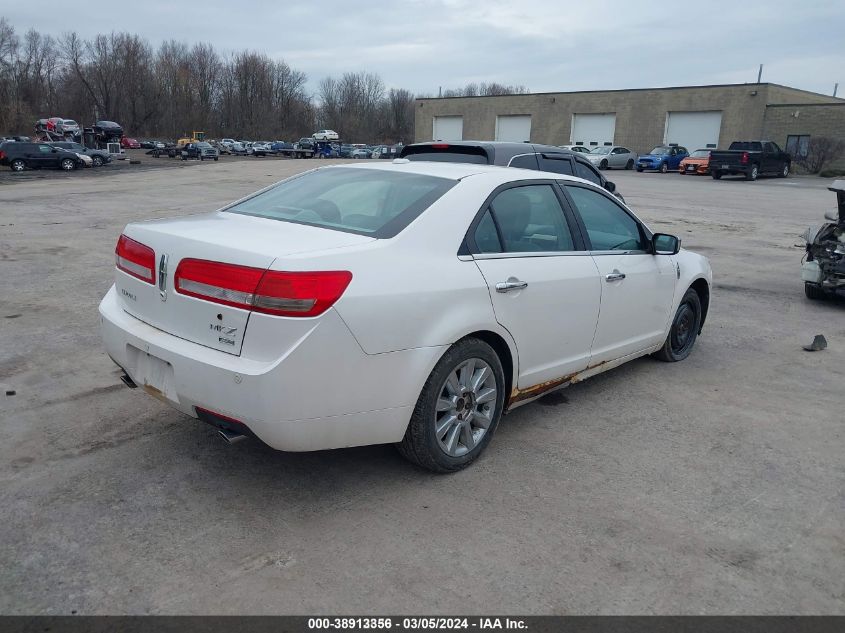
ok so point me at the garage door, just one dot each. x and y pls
(448, 128)
(693, 130)
(513, 127)
(593, 129)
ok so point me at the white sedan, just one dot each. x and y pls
(402, 302)
(325, 135)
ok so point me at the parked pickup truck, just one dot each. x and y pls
(751, 159)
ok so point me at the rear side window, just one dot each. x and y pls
(523, 220)
(486, 235)
(556, 165)
(445, 153)
(610, 228)
(583, 171)
(526, 161)
(365, 201)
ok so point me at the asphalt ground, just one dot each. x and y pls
(714, 485)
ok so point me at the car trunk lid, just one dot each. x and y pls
(217, 237)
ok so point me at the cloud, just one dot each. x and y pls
(545, 45)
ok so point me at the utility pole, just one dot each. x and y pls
(835, 88)
(760, 73)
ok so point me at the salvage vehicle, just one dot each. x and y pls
(576, 148)
(823, 270)
(199, 151)
(20, 156)
(750, 159)
(663, 158)
(395, 302)
(522, 155)
(99, 157)
(696, 163)
(129, 143)
(107, 132)
(325, 135)
(612, 156)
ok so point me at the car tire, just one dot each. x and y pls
(814, 292)
(215, 159)
(67, 164)
(664, 168)
(96, 161)
(639, 170)
(785, 171)
(17, 165)
(684, 330)
(630, 164)
(716, 175)
(752, 175)
(603, 164)
(437, 437)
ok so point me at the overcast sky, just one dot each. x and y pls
(542, 44)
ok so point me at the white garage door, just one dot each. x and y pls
(448, 128)
(593, 129)
(513, 127)
(693, 130)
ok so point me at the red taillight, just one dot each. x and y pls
(2, 155)
(281, 293)
(744, 159)
(135, 259)
(440, 145)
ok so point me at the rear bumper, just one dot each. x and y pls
(321, 392)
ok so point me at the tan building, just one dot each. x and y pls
(694, 117)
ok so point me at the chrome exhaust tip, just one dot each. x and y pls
(230, 437)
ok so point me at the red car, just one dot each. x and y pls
(129, 143)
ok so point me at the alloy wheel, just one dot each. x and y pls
(466, 406)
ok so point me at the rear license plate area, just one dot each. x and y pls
(152, 374)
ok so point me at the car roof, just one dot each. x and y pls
(458, 171)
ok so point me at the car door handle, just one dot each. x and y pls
(511, 284)
(615, 276)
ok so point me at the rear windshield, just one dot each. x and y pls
(365, 201)
(747, 146)
(447, 154)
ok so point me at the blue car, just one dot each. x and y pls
(663, 158)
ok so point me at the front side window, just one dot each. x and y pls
(527, 219)
(609, 227)
(365, 201)
(45, 149)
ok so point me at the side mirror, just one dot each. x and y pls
(610, 186)
(665, 244)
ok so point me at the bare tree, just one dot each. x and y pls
(177, 88)
(821, 150)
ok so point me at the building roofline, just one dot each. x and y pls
(577, 92)
(839, 102)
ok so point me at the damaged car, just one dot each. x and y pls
(823, 270)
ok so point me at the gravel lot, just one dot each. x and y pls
(710, 486)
